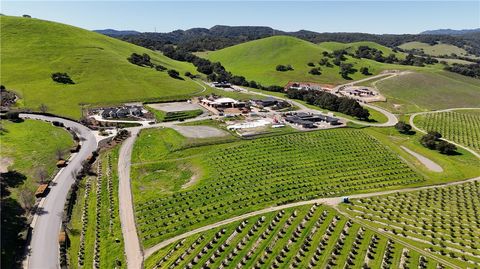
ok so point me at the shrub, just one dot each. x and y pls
(174, 74)
(62, 78)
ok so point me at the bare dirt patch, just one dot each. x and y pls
(5, 162)
(175, 106)
(196, 174)
(199, 131)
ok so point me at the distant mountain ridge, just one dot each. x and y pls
(450, 32)
(222, 36)
(113, 32)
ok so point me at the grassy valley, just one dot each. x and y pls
(32, 49)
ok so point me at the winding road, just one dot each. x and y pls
(43, 250)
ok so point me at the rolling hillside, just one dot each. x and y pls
(435, 50)
(32, 49)
(256, 60)
(352, 47)
(421, 91)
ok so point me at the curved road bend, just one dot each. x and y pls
(44, 248)
(332, 201)
(411, 122)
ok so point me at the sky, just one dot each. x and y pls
(379, 17)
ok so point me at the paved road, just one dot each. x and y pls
(332, 201)
(44, 247)
(412, 117)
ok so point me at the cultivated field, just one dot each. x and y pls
(302, 237)
(97, 64)
(421, 91)
(235, 178)
(442, 220)
(95, 233)
(461, 126)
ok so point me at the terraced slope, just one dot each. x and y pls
(256, 60)
(236, 178)
(302, 237)
(443, 221)
(32, 49)
(461, 126)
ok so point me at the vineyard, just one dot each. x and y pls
(442, 220)
(458, 126)
(96, 239)
(302, 237)
(244, 176)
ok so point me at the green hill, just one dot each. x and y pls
(421, 91)
(32, 49)
(256, 60)
(435, 50)
(352, 47)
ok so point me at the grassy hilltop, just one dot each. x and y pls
(256, 60)
(32, 49)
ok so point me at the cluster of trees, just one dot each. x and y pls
(432, 141)
(283, 68)
(315, 71)
(403, 127)
(62, 78)
(144, 60)
(377, 55)
(7, 98)
(471, 70)
(140, 60)
(331, 102)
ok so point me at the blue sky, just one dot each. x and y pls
(321, 16)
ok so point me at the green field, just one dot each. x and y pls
(95, 212)
(435, 50)
(443, 220)
(300, 237)
(30, 145)
(461, 126)
(32, 49)
(251, 175)
(26, 147)
(256, 60)
(432, 90)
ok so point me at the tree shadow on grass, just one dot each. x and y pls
(13, 233)
(13, 224)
